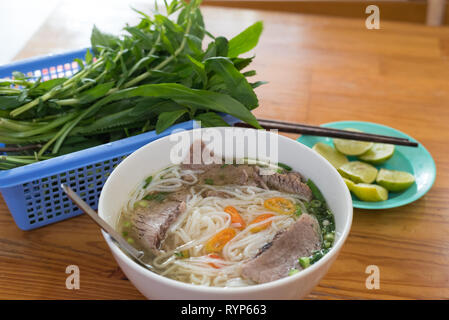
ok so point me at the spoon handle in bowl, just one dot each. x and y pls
(103, 224)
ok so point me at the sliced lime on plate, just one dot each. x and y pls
(379, 153)
(358, 171)
(394, 180)
(370, 192)
(349, 183)
(352, 147)
(335, 157)
(417, 161)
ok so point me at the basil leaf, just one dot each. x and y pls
(236, 84)
(246, 40)
(166, 119)
(211, 119)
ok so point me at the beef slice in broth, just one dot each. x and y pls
(223, 174)
(290, 182)
(151, 223)
(276, 258)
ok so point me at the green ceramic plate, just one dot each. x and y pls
(417, 161)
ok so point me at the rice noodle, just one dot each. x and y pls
(204, 217)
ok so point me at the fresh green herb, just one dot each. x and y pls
(125, 233)
(292, 271)
(147, 182)
(223, 165)
(304, 262)
(179, 254)
(208, 181)
(130, 240)
(127, 224)
(157, 74)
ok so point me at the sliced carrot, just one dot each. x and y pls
(236, 219)
(218, 241)
(214, 256)
(280, 205)
(261, 218)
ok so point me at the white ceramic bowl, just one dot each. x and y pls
(156, 155)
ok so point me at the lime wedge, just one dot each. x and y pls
(335, 157)
(349, 183)
(395, 180)
(358, 171)
(379, 153)
(352, 147)
(370, 192)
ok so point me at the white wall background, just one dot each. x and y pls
(19, 20)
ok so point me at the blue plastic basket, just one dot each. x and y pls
(32, 192)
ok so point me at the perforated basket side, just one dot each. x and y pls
(33, 194)
(40, 202)
(48, 67)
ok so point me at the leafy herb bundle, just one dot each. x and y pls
(154, 76)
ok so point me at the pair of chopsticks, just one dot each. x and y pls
(328, 132)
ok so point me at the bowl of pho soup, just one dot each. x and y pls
(227, 213)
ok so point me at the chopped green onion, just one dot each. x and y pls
(284, 166)
(304, 262)
(315, 203)
(127, 224)
(125, 233)
(292, 272)
(327, 244)
(329, 237)
(141, 203)
(130, 240)
(159, 196)
(147, 182)
(298, 210)
(208, 181)
(182, 254)
(315, 191)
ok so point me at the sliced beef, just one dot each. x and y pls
(151, 223)
(290, 182)
(218, 174)
(276, 258)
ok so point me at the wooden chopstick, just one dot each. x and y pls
(295, 125)
(329, 132)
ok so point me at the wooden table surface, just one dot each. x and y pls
(319, 69)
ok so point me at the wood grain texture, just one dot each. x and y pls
(319, 69)
(391, 10)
